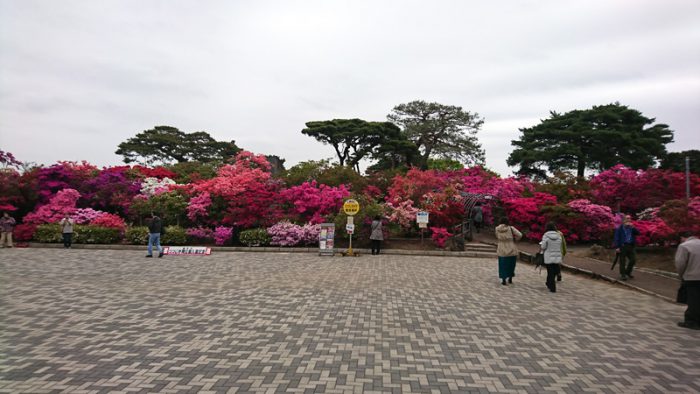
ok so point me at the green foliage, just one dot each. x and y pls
(368, 210)
(172, 206)
(676, 161)
(442, 131)
(255, 237)
(83, 234)
(354, 139)
(174, 235)
(444, 164)
(323, 172)
(137, 235)
(565, 187)
(165, 144)
(306, 171)
(192, 171)
(597, 138)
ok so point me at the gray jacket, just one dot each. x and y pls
(551, 247)
(688, 259)
(377, 233)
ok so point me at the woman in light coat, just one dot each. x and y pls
(551, 247)
(377, 234)
(507, 251)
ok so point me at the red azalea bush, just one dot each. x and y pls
(654, 231)
(525, 214)
(637, 190)
(245, 190)
(24, 232)
(109, 220)
(440, 236)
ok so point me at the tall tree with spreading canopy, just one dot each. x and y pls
(676, 161)
(353, 139)
(167, 145)
(440, 131)
(597, 138)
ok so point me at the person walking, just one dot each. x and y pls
(155, 227)
(478, 217)
(688, 266)
(551, 248)
(67, 231)
(507, 251)
(624, 243)
(7, 226)
(377, 235)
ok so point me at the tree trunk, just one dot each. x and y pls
(581, 170)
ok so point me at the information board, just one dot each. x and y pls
(326, 242)
(187, 250)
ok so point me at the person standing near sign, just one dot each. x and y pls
(155, 227)
(377, 234)
(507, 251)
(67, 231)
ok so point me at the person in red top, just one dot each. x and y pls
(7, 226)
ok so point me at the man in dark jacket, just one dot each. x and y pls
(625, 240)
(155, 227)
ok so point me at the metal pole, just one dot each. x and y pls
(687, 177)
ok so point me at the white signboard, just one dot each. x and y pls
(187, 250)
(350, 228)
(422, 217)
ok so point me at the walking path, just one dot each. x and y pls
(646, 281)
(93, 321)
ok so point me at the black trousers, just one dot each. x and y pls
(67, 240)
(628, 257)
(692, 314)
(376, 245)
(552, 271)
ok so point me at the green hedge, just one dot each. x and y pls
(174, 235)
(255, 237)
(137, 235)
(83, 234)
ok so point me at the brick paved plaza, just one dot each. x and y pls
(112, 321)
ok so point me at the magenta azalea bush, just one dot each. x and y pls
(223, 235)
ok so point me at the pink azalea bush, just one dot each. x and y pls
(595, 220)
(525, 214)
(59, 205)
(201, 234)
(290, 234)
(198, 206)
(654, 231)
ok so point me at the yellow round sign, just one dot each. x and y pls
(351, 207)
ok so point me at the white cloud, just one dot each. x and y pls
(78, 77)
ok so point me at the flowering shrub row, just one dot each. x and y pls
(244, 194)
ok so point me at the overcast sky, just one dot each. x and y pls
(79, 77)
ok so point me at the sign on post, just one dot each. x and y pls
(422, 219)
(351, 207)
(325, 239)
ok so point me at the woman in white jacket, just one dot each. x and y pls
(551, 249)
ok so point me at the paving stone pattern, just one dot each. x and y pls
(80, 321)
